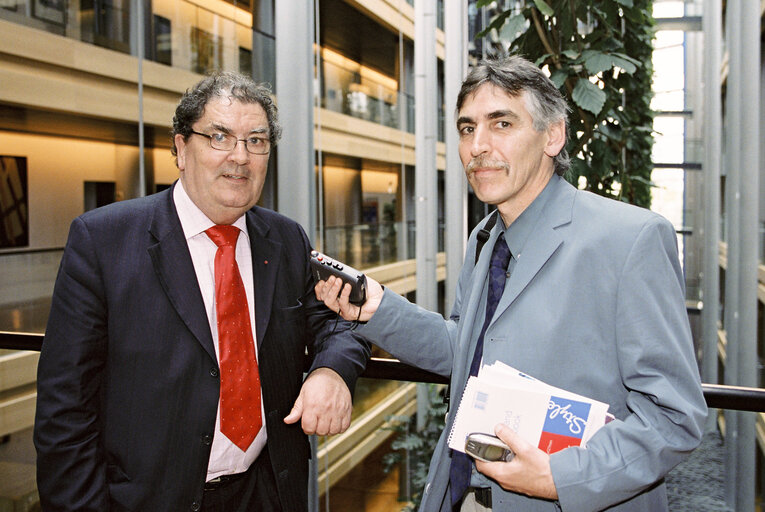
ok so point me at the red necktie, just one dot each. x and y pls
(240, 417)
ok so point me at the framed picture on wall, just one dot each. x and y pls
(14, 202)
(52, 11)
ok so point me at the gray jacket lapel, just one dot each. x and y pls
(472, 317)
(541, 245)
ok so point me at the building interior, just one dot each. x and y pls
(88, 89)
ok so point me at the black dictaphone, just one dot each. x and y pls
(322, 266)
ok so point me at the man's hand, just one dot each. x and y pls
(324, 404)
(528, 473)
(329, 292)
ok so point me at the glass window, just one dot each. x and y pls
(362, 214)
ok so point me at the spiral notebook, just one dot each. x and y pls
(548, 417)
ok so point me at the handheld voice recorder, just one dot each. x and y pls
(322, 266)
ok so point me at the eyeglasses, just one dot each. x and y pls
(227, 142)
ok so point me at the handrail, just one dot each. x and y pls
(20, 340)
(12, 251)
(738, 398)
(717, 396)
(393, 369)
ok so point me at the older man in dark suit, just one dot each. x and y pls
(171, 374)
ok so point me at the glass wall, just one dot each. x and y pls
(368, 211)
(669, 102)
(363, 217)
(362, 92)
(199, 38)
(41, 190)
(178, 33)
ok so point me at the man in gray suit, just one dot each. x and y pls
(592, 301)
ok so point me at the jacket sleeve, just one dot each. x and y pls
(332, 343)
(71, 470)
(417, 336)
(665, 403)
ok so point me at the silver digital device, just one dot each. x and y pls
(487, 448)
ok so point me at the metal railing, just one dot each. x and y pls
(717, 396)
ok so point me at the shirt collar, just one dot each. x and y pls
(519, 231)
(193, 220)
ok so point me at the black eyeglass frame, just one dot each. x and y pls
(229, 137)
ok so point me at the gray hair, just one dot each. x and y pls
(223, 84)
(516, 75)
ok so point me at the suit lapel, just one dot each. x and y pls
(472, 318)
(266, 257)
(175, 270)
(542, 243)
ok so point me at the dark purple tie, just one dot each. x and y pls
(461, 466)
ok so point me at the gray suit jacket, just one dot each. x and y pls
(596, 306)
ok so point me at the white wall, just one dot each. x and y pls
(57, 167)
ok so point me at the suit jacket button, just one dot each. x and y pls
(213, 372)
(195, 506)
(207, 439)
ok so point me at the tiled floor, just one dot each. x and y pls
(698, 483)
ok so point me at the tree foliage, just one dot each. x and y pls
(598, 52)
(417, 446)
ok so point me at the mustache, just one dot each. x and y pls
(483, 162)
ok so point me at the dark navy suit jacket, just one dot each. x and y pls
(128, 380)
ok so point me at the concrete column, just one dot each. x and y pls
(455, 68)
(425, 177)
(425, 181)
(141, 180)
(742, 186)
(296, 186)
(732, 175)
(141, 36)
(296, 191)
(710, 234)
(749, 148)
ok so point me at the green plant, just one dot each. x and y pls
(417, 445)
(598, 52)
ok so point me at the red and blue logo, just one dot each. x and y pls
(564, 424)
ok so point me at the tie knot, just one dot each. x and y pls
(223, 234)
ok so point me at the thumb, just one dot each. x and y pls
(508, 436)
(296, 412)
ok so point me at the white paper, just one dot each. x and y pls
(545, 416)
